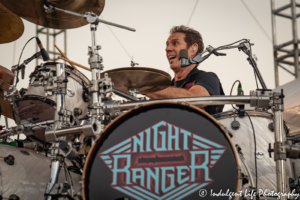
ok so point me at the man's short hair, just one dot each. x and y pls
(191, 36)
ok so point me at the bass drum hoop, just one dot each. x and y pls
(101, 138)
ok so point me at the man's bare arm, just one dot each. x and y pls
(173, 92)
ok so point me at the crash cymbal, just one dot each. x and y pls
(6, 79)
(33, 11)
(12, 26)
(145, 79)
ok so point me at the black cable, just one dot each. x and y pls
(231, 91)
(255, 79)
(49, 191)
(254, 138)
(23, 49)
(233, 44)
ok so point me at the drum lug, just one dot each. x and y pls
(235, 125)
(23, 91)
(77, 112)
(225, 129)
(245, 179)
(271, 126)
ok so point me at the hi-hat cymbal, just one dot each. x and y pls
(6, 79)
(145, 79)
(33, 11)
(12, 26)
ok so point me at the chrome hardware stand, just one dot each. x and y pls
(100, 87)
(55, 169)
(279, 146)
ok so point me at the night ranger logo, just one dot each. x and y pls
(162, 162)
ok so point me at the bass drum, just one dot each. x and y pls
(161, 151)
(29, 175)
(35, 106)
(243, 137)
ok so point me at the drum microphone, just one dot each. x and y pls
(185, 61)
(184, 58)
(43, 51)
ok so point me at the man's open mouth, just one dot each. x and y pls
(171, 57)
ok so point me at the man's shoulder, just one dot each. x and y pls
(203, 74)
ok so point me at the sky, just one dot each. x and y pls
(220, 22)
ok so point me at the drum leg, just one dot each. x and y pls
(55, 168)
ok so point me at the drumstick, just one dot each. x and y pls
(62, 53)
(79, 65)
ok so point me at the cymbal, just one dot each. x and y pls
(33, 11)
(6, 79)
(145, 79)
(12, 26)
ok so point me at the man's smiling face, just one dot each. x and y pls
(174, 44)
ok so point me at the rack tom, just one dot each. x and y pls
(37, 106)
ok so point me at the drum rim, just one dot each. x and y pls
(69, 69)
(122, 117)
(37, 98)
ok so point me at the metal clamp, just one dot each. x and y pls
(112, 108)
(277, 101)
(279, 151)
(257, 99)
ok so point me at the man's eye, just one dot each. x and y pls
(175, 43)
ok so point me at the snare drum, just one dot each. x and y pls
(35, 106)
(243, 136)
(161, 151)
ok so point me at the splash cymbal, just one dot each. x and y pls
(12, 26)
(145, 79)
(33, 11)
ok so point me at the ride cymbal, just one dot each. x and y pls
(12, 26)
(145, 79)
(33, 11)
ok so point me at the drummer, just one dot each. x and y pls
(188, 81)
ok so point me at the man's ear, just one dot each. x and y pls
(194, 49)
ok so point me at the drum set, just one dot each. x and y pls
(100, 148)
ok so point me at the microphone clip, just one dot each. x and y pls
(185, 62)
(210, 49)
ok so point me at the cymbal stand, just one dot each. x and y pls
(57, 85)
(100, 87)
(245, 47)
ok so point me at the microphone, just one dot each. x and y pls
(183, 57)
(43, 51)
(32, 57)
(185, 62)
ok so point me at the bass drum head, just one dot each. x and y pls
(161, 151)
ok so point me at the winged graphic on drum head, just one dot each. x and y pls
(162, 162)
